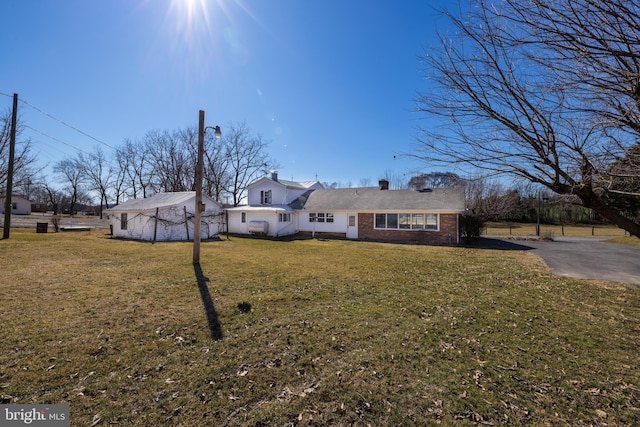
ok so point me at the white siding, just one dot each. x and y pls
(271, 216)
(141, 225)
(22, 206)
(339, 224)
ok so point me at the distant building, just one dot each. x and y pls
(19, 205)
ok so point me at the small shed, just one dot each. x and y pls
(19, 205)
(165, 217)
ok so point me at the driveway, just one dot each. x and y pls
(581, 257)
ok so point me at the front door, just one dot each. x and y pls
(352, 226)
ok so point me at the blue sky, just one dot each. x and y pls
(330, 84)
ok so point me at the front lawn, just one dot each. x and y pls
(338, 333)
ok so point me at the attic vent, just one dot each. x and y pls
(425, 190)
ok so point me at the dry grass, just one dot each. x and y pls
(340, 333)
(521, 229)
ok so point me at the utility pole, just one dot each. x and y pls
(198, 207)
(12, 153)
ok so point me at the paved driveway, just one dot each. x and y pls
(586, 258)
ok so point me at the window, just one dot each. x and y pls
(265, 197)
(431, 222)
(352, 220)
(243, 217)
(417, 222)
(123, 221)
(406, 221)
(392, 220)
(320, 217)
(284, 217)
(14, 205)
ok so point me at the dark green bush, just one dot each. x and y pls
(470, 227)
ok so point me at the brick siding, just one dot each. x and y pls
(446, 235)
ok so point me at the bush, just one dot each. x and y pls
(470, 227)
(55, 221)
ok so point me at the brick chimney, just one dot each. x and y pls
(383, 184)
(274, 175)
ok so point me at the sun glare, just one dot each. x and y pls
(202, 34)
(189, 18)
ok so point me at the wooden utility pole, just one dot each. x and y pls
(198, 206)
(12, 153)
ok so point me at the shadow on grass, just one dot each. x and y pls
(500, 244)
(212, 316)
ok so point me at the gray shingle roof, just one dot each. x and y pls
(158, 200)
(372, 199)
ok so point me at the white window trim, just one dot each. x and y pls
(324, 217)
(411, 221)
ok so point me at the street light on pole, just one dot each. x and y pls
(199, 167)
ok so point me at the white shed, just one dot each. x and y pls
(164, 217)
(19, 205)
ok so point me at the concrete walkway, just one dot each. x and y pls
(581, 257)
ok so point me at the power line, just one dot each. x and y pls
(51, 116)
(56, 139)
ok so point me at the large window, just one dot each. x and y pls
(123, 221)
(265, 197)
(406, 221)
(320, 217)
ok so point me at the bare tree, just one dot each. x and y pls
(545, 90)
(170, 156)
(397, 181)
(72, 175)
(54, 197)
(247, 159)
(23, 159)
(217, 168)
(435, 180)
(135, 163)
(365, 182)
(98, 173)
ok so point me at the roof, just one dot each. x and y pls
(374, 199)
(159, 200)
(271, 208)
(300, 185)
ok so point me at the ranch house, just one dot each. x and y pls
(279, 207)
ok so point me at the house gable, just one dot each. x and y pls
(269, 191)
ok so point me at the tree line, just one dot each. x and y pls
(161, 161)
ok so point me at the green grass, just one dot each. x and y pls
(340, 333)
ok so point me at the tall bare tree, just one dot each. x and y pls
(217, 168)
(545, 90)
(23, 159)
(99, 174)
(247, 157)
(71, 172)
(135, 164)
(171, 157)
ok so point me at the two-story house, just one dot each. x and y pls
(272, 207)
